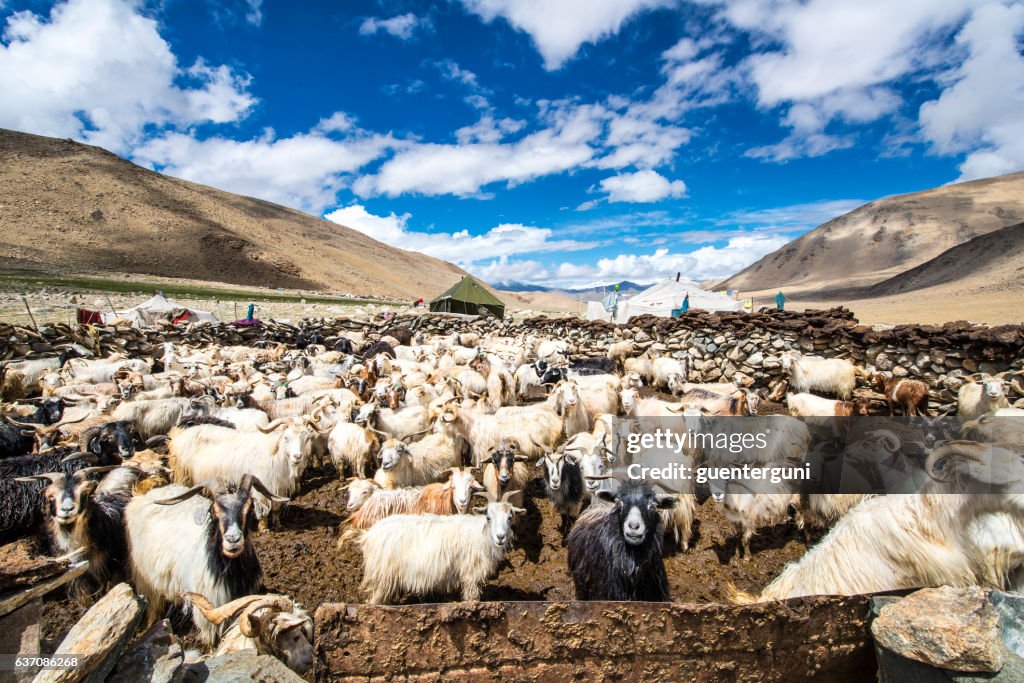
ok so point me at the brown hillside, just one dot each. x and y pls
(70, 208)
(988, 263)
(882, 239)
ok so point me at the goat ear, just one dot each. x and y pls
(518, 511)
(539, 462)
(666, 502)
(94, 445)
(606, 496)
(481, 509)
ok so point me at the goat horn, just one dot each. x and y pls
(26, 425)
(78, 455)
(249, 481)
(409, 436)
(954, 449)
(52, 477)
(272, 426)
(280, 602)
(217, 615)
(201, 489)
(86, 471)
(508, 494)
(598, 477)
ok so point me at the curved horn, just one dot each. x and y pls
(409, 436)
(508, 494)
(195, 490)
(936, 466)
(245, 621)
(249, 481)
(272, 426)
(78, 455)
(86, 471)
(51, 477)
(217, 615)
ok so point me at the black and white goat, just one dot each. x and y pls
(198, 540)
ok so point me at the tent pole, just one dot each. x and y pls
(110, 303)
(30, 316)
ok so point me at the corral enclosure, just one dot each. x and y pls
(300, 558)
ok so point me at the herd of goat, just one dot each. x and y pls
(159, 471)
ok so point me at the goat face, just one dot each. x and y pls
(232, 510)
(296, 442)
(359, 491)
(635, 507)
(753, 402)
(675, 383)
(594, 464)
(553, 464)
(364, 414)
(499, 520)
(993, 388)
(391, 455)
(464, 485)
(628, 398)
(291, 642)
(788, 358)
(114, 438)
(862, 406)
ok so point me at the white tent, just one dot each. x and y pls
(659, 299)
(158, 308)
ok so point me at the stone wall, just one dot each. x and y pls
(719, 344)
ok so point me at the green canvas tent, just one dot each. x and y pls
(467, 296)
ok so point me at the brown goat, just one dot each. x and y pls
(911, 395)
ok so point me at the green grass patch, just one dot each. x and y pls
(31, 282)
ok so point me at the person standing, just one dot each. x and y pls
(686, 302)
(251, 312)
(780, 301)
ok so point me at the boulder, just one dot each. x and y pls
(949, 628)
(240, 667)
(156, 657)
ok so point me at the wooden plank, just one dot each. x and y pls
(12, 601)
(98, 637)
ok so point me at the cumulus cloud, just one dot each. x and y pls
(642, 186)
(981, 111)
(463, 169)
(708, 262)
(305, 170)
(558, 29)
(403, 26)
(99, 71)
(838, 60)
(501, 241)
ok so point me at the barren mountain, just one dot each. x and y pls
(988, 263)
(887, 237)
(69, 208)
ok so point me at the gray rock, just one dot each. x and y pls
(950, 628)
(156, 657)
(240, 667)
(755, 359)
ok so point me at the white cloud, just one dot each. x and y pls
(254, 15)
(642, 186)
(828, 60)
(507, 239)
(463, 169)
(488, 129)
(558, 29)
(402, 26)
(982, 110)
(306, 170)
(705, 263)
(99, 71)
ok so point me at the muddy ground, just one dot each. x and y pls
(301, 558)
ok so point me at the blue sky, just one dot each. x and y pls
(556, 142)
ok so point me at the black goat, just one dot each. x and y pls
(615, 553)
(563, 485)
(378, 348)
(15, 439)
(598, 365)
(344, 345)
(21, 509)
(87, 514)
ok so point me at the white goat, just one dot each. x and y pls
(421, 555)
(830, 375)
(977, 398)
